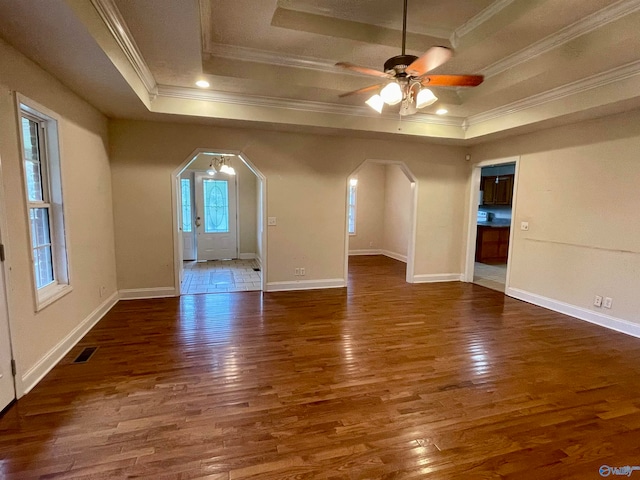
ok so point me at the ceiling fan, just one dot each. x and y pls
(408, 78)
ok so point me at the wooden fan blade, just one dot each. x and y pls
(432, 58)
(363, 70)
(451, 80)
(362, 90)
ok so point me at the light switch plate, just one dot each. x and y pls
(271, 220)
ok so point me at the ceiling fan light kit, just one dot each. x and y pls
(408, 78)
(425, 98)
(220, 165)
(392, 93)
(376, 102)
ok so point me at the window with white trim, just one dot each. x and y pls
(43, 186)
(351, 208)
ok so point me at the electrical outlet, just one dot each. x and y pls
(302, 272)
(296, 272)
(597, 301)
(524, 226)
(271, 221)
(608, 301)
(371, 244)
(103, 290)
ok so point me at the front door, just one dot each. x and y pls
(7, 386)
(216, 216)
(186, 215)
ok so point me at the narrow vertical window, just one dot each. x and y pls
(43, 185)
(353, 186)
(185, 185)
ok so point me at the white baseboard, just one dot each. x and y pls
(141, 293)
(305, 285)
(613, 323)
(247, 256)
(378, 251)
(395, 256)
(438, 277)
(372, 251)
(36, 373)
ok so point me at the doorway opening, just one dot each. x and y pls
(491, 223)
(219, 199)
(381, 213)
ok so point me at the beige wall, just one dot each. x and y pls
(306, 182)
(86, 178)
(578, 187)
(247, 200)
(397, 211)
(369, 208)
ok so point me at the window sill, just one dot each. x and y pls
(52, 294)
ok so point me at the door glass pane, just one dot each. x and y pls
(40, 226)
(31, 147)
(216, 206)
(43, 265)
(185, 185)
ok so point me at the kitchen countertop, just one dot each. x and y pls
(496, 224)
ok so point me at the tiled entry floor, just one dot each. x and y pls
(218, 276)
(490, 276)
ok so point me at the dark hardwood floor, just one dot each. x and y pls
(385, 380)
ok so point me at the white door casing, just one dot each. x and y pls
(472, 228)
(187, 226)
(216, 216)
(7, 385)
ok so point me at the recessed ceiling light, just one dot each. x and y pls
(202, 83)
(442, 111)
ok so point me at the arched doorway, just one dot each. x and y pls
(177, 184)
(382, 196)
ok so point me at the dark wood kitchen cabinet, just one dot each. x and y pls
(492, 244)
(497, 190)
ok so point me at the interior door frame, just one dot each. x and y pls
(18, 391)
(472, 226)
(413, 215)
(176, 205)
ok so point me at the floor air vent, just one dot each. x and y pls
(85, 355)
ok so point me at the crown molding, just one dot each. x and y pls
(474, 22)
(186, 93)
(599, 80)
(583, 26)
(116, 24)
(246, 54)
